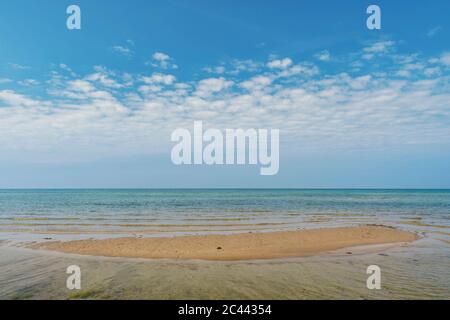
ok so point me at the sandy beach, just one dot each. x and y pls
(248, 246)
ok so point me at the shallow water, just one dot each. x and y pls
(420, 270)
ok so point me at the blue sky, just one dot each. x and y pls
(95, 107)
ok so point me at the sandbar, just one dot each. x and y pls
(241, 246)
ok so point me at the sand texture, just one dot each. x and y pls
(244, 246)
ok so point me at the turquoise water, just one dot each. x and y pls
(203, 211)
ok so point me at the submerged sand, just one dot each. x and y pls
(248, 246)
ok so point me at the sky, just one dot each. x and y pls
(95, 108)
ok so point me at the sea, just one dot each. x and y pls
(420, 270)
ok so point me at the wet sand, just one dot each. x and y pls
(244, 246)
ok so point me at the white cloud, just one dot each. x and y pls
(123, 50)
(208, 86)
(18, 66)
(247, 65)
(403, 73)
(163, 61)
(377, 49)
(28, 82)
(5, 80)
(15, 99)
(104, 77)
(323, 56)
(80, 86)
(105, 113)
(445, 58)
(429, 72)
(256, 83)
(159, 56)
(216, 70)
(166, 79)
(147, 89)
(380, 46)
(66, 68)
(305, 69)
(359, 83)
(279, 64)
(433, 31)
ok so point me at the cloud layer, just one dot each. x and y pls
(371, 98)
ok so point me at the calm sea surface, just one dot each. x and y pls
(193, 211)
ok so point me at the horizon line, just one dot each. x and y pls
(228, 188)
